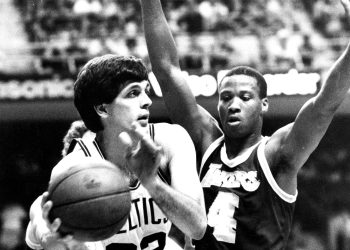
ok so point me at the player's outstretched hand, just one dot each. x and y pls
(53, 240)
(346, 5)
(145, 158)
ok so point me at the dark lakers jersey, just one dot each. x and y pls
(246, 208)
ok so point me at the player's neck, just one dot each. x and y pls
(111, 148)
(237, 146)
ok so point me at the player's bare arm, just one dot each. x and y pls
(182, 202)
(296, 141)
(178, 97)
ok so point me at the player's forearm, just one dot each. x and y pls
(160, 43)
(335, 88)
(186, 213)
(337, 84)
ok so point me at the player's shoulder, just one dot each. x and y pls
(277, 139)
(169, 131)
(166, 127)
(67, 162)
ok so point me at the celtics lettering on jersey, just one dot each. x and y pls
(146, 214)
(222, 210)
(146, 228)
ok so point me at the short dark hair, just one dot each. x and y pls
(101, 80)
(245, 70)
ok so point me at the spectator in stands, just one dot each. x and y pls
(307, 52)
(111, 12)
(174, 11)
(192, 60)
(191, 21)
(326, 17)
(284, 50)
(339, 231)
(88, 10)
(13, 217)
(223, 53)
(84, 7)
(54, 61)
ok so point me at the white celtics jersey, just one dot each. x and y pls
(146, 227)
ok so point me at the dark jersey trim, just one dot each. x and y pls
(98, 149)
(83, 146)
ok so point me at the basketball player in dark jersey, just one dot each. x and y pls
(112, 97)
(249, 181)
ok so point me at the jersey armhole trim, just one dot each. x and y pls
(267, 172)
(208, 152)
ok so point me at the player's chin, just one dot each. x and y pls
(234, 131)
(233, 126)
(143, 122)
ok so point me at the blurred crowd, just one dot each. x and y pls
(271, 35)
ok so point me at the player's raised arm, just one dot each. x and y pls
(297, 141)
(178, 97)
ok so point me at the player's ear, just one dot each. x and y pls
(264, 105)
(101, 110)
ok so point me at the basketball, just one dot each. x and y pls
(92, 199)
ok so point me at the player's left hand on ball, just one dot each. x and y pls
(144, 158)
(53, 240)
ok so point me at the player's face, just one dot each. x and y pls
(240, 107)
(131, 104)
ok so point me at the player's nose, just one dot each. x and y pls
(146, 101)
(235, 105)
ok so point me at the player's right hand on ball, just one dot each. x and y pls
(53, 240)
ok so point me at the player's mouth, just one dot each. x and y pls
(143, 119)
(233, 120)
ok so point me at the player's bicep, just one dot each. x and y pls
(305, 133)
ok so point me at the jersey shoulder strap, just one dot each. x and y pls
(163, 176)
(90, 148)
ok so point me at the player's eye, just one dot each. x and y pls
(133, 93)
(225, 97)
(246, 97)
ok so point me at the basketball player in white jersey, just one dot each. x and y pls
(112, 97)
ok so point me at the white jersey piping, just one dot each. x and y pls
(267, 172)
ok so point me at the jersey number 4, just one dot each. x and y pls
(220, 216)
